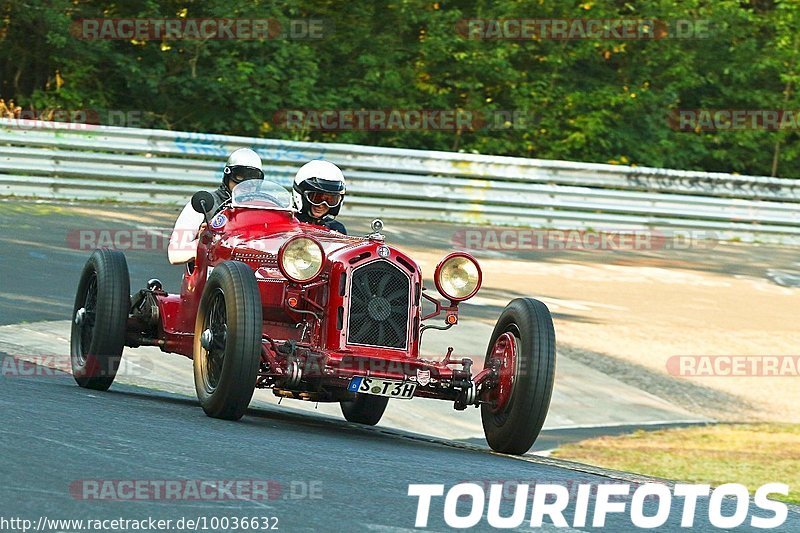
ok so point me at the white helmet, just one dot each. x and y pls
(243, 164)
(318, 182)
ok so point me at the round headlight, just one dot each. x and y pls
(300, 259)
(458, 277)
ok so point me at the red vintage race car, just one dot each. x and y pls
(314, 315)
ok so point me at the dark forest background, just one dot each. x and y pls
(600, 100)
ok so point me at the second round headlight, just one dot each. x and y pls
(301, 259)
(458, 277)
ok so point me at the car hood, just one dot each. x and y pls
(331, 242)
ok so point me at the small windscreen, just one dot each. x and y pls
(260, 194)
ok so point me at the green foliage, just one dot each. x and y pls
(586, 100)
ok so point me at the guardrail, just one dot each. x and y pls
(69, 161)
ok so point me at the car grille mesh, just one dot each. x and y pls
(379, 305)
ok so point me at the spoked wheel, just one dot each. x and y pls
(99, 319)
(365, 409)
(213, 339)
(227, 341)
(522, 349)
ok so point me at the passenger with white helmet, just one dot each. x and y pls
(318, 192)
(243, 164)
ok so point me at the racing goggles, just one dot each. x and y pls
(330, 199)
(238, 174)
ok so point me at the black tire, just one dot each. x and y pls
(99, 319)
(225, 376)
(515, 427)
(365, 409)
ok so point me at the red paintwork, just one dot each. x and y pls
(255, 236)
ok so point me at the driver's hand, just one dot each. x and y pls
(202, 228)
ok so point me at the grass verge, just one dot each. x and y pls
(750, 454)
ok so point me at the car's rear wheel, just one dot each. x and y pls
(227, 341)
(99, 319)
(365, 409)
(523, 349)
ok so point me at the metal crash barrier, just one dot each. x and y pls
(78, 161)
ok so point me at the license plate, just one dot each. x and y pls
(390, 388)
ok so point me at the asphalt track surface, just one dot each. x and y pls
(54, 434)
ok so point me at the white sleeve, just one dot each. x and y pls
(183, 241)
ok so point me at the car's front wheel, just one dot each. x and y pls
(227, 341)
(522, 350)
(99, 319)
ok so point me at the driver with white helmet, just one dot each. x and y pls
(318, 192)
(243, 164)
